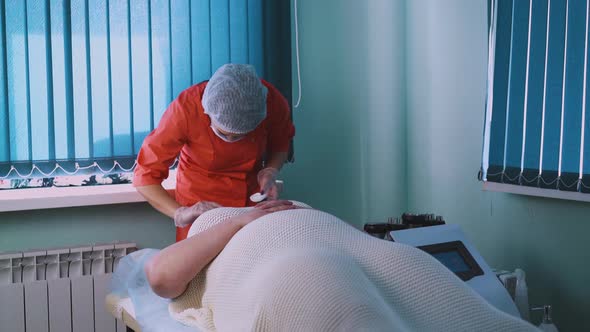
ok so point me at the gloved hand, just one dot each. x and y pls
(186, 215)
(262, 209)
(267, 181)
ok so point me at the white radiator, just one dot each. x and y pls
(59, 290)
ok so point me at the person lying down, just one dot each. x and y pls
(282, 266)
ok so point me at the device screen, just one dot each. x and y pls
(452, 260)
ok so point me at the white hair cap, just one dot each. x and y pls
(235, 99)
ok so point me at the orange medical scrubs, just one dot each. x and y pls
(209, 168)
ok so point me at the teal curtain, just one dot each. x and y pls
(82, 82)
(538, 122)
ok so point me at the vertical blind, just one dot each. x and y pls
(537, 128)
(82, 82)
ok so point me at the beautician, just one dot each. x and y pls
(222, 130)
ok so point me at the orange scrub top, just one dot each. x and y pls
(209, 168)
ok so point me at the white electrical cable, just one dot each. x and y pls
(297, 57)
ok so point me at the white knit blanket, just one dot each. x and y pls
(306, 270)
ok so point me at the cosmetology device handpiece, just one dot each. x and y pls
(258, 197)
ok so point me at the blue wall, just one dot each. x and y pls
(447, 59)
(391, 119)
(350, 143)
(137, 222)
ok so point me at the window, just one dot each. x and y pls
(537, 127)
(82, 82)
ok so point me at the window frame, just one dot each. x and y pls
(527, 190)
(535, 191)
(24, 199)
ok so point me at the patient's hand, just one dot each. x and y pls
(262, 209)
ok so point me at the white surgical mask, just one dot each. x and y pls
(224, 137)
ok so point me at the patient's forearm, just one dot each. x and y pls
(171, 270)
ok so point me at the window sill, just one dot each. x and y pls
(538, 192)
(59, 197)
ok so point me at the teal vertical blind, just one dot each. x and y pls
(537, 128)
(82, 82)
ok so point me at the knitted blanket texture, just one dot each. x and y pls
(306, 270)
